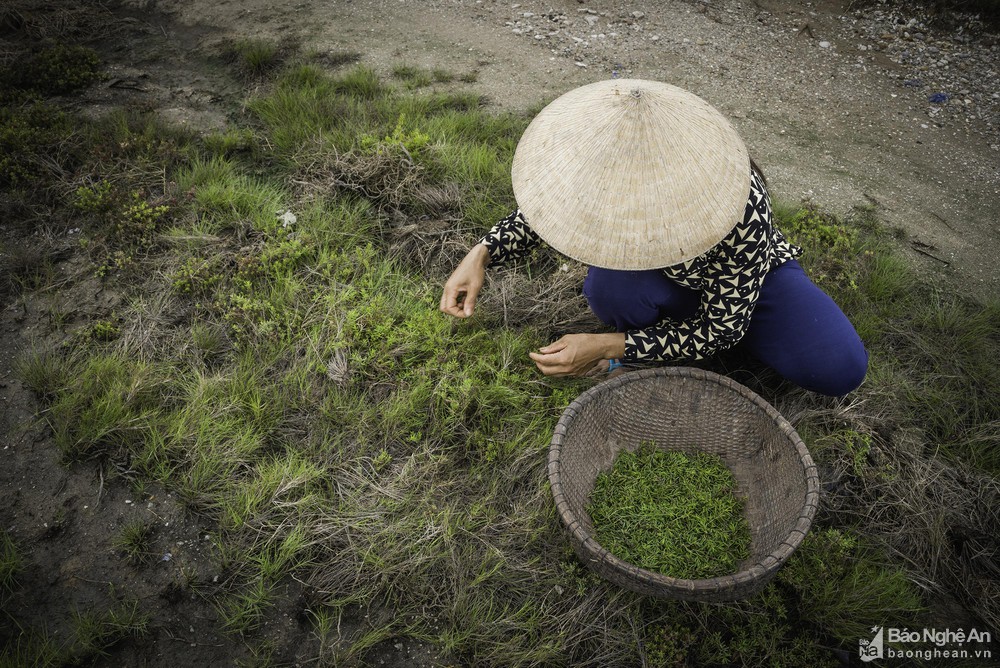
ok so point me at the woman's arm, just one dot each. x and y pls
(732, 283)
(578, 354)
(463, 286)
(509, 239)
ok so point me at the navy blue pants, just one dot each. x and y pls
(796, 328)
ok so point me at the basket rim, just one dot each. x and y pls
(761, 568)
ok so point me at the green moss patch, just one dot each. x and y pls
(671, 513)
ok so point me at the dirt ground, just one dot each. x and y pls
(836, 105)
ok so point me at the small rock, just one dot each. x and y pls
(638, 15)
(824, 45)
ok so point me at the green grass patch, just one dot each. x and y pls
(134, 540)
(846, 590)
(32, 140)
(11, 563)
(253, 57)
(671, 513)
(53, 70)
(415, 77)
(93, 634)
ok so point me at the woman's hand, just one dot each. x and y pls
(463, 286)
(578, 354)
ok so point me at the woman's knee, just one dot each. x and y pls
(635, 299)
(840, 373)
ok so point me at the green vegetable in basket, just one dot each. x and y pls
(671, 513)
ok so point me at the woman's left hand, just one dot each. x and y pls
(578, 354)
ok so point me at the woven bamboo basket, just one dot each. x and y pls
(689, 410)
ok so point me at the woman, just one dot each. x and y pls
(654, 189)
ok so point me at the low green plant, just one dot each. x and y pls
(11, 563)
(667, 645)
(671, 513)
(43, 371)
(53, 70)
(94, 632)
(107, 402)
(97, 198)
(32, 648)
(209, 340)
(360, 82)
(139, 219)
(410, 140)
(101, 330)
(196, 276)
(230, 142)
(442, 76)
(414, 77)
(33, 138)
(28, 268)
(134, 540)
(334, 58)
(845, 588)
(253, 57)
(243, 611)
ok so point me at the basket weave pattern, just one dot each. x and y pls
(687, 410)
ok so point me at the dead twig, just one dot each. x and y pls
(916, 245)
(946, 223)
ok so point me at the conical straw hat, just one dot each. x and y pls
(631, 174)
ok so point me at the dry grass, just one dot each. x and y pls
(63, 21)
(939, 518)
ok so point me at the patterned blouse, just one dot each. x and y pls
(728, 275)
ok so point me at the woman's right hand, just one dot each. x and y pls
(463, 286)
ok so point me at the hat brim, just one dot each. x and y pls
(631, 174)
